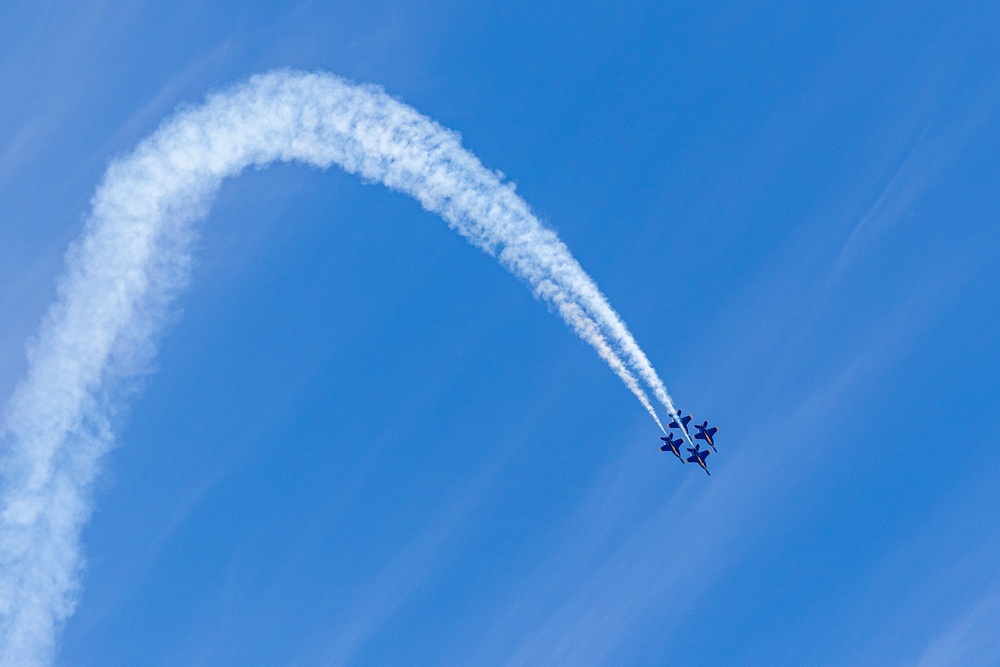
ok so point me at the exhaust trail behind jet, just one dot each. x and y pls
(133, 258)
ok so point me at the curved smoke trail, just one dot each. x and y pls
(133, 258)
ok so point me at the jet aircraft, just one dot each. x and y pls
(672, 446)
(707, 434)
(683, 421)
(698, 456)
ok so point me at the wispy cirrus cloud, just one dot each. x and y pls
(970, 639)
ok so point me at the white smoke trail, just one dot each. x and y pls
(133, 258)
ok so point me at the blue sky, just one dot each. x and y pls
(366, 443)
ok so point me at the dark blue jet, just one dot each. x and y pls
(698, 456)
(707, 434)
(683, 421)
(672, 446)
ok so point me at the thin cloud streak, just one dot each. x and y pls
(970, 640)
(134, 257)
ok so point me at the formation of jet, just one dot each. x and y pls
(703, 432)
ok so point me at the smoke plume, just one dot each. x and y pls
(133, 258)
